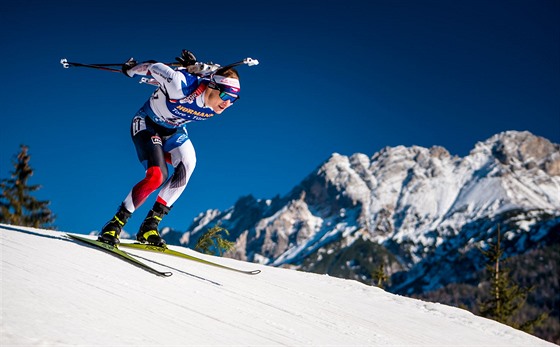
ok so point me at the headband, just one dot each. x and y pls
(230, 85)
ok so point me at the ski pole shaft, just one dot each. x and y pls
(247, 61)
(120, 64)
(66, 64)
(107, 67)
(116, 67)
(102, 64)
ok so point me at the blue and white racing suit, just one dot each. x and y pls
(159, 134)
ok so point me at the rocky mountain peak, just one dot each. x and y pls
(413, 204)
(522, 150)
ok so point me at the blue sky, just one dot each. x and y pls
(334, 76)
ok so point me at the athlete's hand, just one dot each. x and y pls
(187, 58)
(130, 63)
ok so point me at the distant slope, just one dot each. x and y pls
(59, 292)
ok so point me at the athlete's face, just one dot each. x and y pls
(214, 101)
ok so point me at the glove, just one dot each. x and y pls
(130, 63)
(187, 58)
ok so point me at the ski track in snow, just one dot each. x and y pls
(59, 292)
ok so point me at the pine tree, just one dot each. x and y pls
(379, 276)
(17, 206)
(211, 241)
(505, 298)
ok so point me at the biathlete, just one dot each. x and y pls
(193, 92)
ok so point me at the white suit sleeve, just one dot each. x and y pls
(140, 69)
(169, 79)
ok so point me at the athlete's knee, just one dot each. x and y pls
(190, 160)
(187, 161)
(156, 175)
(191, 164)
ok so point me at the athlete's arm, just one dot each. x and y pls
(176, 83)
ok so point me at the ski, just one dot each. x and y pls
(165, 250)
(120, 254)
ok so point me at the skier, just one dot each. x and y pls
(194, 92)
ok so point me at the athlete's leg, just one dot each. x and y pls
(149, 147)
(183, 159)
(150, 153)
(182, 156)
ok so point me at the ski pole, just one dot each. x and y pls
(66, 64)
(247, 61)
(106, 67)
(211, 72)
(112, 67)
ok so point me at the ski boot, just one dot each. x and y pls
(149, 228)
(111, 231)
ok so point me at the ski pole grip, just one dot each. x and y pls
(64, 63)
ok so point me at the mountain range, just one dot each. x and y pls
(420, 213)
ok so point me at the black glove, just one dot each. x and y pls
(130, 63)
(187, 58)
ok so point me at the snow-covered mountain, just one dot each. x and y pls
(419, 212)
(58, 292)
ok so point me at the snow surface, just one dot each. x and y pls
(60, 292)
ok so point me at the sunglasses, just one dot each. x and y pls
(225, 96)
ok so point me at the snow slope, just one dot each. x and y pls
(60, 292)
